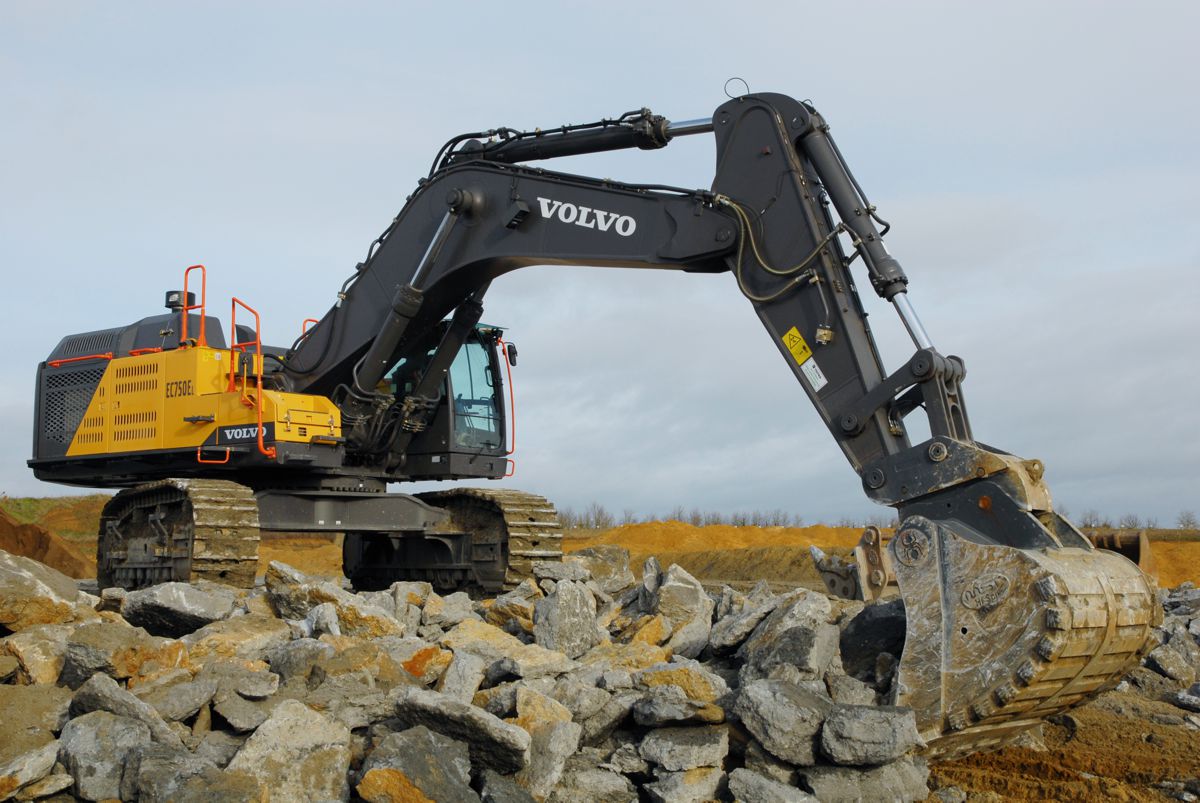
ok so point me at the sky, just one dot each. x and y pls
(1037, 161)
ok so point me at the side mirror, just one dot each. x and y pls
(510, 351)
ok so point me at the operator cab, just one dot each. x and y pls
(467, 435)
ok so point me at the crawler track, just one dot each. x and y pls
(179, 529)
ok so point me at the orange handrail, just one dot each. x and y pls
(304, 325)
(512, 407)
(108, 355)
(269, 451)
(201, 340)
(200, 458)
(148, 350)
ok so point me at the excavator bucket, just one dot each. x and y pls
(999, 638)
(1133, 545)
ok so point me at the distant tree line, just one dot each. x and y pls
(597, 517)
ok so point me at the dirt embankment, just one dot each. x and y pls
(34, 541)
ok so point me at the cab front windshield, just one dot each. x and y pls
(476, 417)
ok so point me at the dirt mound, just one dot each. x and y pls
(33, 541)
(661, 537)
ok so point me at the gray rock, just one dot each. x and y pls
(751, 787)
(179, 701)
(558, 570)
(33, 594)
(565, 621)
(608, 565)
(845, 689)
(682, 599)
(693, 786)
(670, 705)
(494, 744)
(298, 754)
(47, 787)
(435, 766)
(1186, 701)
(446, 612)
(101, 693)
(463, 677)
(40, 651)
(153, 773)
(111, 599)
(861, 735)
(352, 700)
(615, 680)
(581, 700)
(176, 609)
(758, 760)
(293, 594)
(409, 592)
(116, 649)
(551, 745)
(735, 627)
(233, 677)
(219, 747)
(221, 786)
(499, 788)
(298, 659)
(94, 747)
(598, 726)
(26, 768)
(244, 715)
(906, 779)
(627, 760)
(796, 633)
(1183, 602)
(1169, 663)
(783, 717)
(383, 600)
(676, 749)
(879, 628)
(594, 785)
(322, 619)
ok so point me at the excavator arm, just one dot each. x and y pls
(1011, 615)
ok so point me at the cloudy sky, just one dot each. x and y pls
(1038, 162)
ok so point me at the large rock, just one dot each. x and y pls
(879, 628)
(297, 660)
(860, 735)
(594, 785)
(176, 609)
(94, 747)
(614, 712)
(682, 599)
(250, 637)
(118, 650)
(608, 565)
(298, 754)
(677, 749)
(33, 594)
(783, 717)
(565, 621)
(499, 788)
(629, 657)
(293, 594)
(750, 786)
(581, 699)
(797, 633)
(513, 612)
(27, 768)
(669, 705)
(1170, 663)
(421, 662)
(417, 764)
(31, 717)
(179, 701)
(448, 611)
(698, 683)
(569, 568)
(735, 627)
(903, 780)
(694, 786)
(463, 677)
(497, 647)
(551, 744)
(494, 743)
(39, 651)
(101, 693)
(154, 773)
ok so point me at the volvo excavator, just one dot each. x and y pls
(1011, 614)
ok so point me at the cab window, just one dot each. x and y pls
(476, 416)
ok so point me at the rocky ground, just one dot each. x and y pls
(586, 685)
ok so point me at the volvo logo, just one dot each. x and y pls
(587, 217)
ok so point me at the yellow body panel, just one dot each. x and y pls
(143, 403)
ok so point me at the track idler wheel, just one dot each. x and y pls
(999, 638)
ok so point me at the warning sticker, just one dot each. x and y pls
(796, 345)
(815, 376)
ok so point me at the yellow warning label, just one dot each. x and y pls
(796, 345)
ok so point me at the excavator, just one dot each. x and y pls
(1011, 615)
